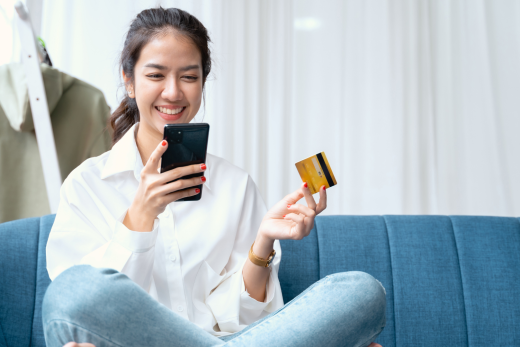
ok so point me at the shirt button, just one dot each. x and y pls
(172, 257)
(180, 308)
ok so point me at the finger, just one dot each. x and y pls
(153, 162)
(308, 196)
(181, 194)
(181, 172)
(71, 344)
(297, 231)
(322, 204)
(181, 185)
(295, 217)
(308, 212)
(293, 197)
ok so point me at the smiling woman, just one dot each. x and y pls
(156, 271)
(155, 75)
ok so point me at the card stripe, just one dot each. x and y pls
(325, 169)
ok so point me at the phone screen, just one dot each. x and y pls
(187, 145)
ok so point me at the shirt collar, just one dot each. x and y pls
(125, 156)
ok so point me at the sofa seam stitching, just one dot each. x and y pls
(392, 275)
(461, 280)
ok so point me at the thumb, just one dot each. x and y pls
(153, 162)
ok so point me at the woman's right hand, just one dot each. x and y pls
(155, 193)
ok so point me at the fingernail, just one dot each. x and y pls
(197, 190)
(163, 143)
(284, 215)
(203, 179)
(203, 166)
(288, 206)
(305, 184)
(324, 187)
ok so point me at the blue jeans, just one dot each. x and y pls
(105, 308)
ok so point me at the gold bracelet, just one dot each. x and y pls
(261, 261)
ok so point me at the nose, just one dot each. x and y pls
(172, 90)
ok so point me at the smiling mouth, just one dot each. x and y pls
(169, 111)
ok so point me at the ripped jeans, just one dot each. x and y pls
(85, 304)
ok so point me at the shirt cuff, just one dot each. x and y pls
(251, 304)
(135, 241)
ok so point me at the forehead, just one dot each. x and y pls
(171, 50)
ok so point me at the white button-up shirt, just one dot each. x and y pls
(192, 260)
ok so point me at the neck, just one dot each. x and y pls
(147, 140)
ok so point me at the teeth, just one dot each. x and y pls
(170, 111)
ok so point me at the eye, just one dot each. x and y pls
(155, 76)
(191, 78)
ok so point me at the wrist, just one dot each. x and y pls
(263, 245)
(136, 221)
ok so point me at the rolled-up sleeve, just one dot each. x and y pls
(97, 239)
(230, 303)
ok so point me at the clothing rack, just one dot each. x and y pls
(32, 54)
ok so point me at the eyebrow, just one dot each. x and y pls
(189, 67)
(157, 66)
(162, 67)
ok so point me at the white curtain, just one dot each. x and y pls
(415, 103)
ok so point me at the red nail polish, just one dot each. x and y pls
(163, 143)
(288, 206)
(305, 184)
(203, 166)
(197, 190)
(203, 179)
(324, 187)
(284, 215)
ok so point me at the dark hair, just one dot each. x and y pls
(147, 25)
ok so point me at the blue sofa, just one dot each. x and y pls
(450, 281)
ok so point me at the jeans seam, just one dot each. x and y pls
(308, 290)
(80, 327)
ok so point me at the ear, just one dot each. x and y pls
(128, 86)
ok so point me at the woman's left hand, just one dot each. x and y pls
(287, 220)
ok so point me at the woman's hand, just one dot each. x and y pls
(155, 193)
(286, 220)
(75, 344)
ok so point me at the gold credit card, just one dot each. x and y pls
(316, 172)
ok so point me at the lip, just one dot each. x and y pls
(170, 117)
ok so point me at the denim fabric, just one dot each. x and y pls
(18, 254)
(106, 308)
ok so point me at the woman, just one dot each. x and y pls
(133, 267)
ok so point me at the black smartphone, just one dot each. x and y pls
(187, 145)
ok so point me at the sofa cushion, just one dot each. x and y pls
(489, 252)
(42, 281)
(428, 296)
(18, 252)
